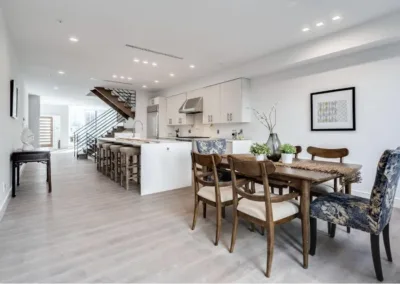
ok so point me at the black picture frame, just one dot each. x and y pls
(352, 115)
(13, 99)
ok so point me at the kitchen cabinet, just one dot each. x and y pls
(238, 146)
(154, 101)
(212, 104)
(234, 101)
(173, 115)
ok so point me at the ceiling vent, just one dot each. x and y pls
(117, 82)
(153, 51)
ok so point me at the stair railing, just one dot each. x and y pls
(95, 128)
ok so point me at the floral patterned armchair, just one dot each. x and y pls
(372, 216)
(217, 146)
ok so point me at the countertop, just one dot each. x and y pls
(137, 141)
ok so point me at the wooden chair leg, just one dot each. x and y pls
(223, 212)
(332, 230)
(313, 235)
(196, 210)
(270, 247)
(386, 241)
(234, 231)
(376, 257)
(262, 231)
(218, 232)
(280, 191)
(204, 210)
(252, 227)
(273, 190)
(127, 172)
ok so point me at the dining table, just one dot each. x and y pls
(302, 180)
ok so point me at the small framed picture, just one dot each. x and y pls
(334, 110)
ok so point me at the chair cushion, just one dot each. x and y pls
(323, 188)
(208, 192)
(256, 209)
(342, 209)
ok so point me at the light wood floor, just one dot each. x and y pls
(92, 230)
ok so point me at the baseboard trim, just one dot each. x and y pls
(367, 195)
(3, 206)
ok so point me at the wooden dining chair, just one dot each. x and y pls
(279, 184)
(262, 208)
(327, 187)
(368, 215)
(213, 191)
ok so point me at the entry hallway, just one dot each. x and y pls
(92, 230)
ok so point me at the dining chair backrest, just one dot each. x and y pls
(298, 151)
(216, 146)
(384, 190)
(250, 169)
(328, 153)
(207, 162)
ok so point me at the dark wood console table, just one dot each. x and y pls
(21, 157)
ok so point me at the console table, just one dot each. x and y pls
(20, 157)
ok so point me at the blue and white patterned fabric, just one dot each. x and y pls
(360, 213)
(217, 146)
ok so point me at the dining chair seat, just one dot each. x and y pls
(342, 209)
(323, 188)
(256, 209)
(208, 192)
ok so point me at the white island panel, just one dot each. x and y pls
(165, 166)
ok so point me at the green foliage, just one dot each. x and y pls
(288, 149)
(259, 149)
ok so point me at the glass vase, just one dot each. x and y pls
(274, 144)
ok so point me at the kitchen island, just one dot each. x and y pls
(165, 164)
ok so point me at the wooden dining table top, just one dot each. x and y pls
(311, 175)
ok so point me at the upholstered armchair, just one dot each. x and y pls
(371, 216)
(217, 146)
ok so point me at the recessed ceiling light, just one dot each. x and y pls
(156, 81)
(122, 77)
(336, 18)
(320, 24)
(73, 39)
(93, 78)
(129, 78)
(172, 74)
(154, 64)
(144, 86)
(136, 60)
(192, 66)
(56, 88)
(145, 62)
(115, 76)
(61, 72)
(306, 29)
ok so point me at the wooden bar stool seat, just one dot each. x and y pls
(128, 165)
(106, 154)
(115, 162)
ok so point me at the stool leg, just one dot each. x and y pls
(127, 172)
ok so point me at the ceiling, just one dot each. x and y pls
(212, 35)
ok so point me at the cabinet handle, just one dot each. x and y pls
(208, 118)
(227, 116)
(211, 118)
(152, 101)
(230, 116)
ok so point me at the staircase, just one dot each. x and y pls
(122, 103)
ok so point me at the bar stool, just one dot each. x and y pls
(99, 157)
(128, 165)
(115, 162)
(106, 155)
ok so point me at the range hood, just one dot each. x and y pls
(191, 106)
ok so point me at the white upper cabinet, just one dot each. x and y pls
(234, 101)
(212, 104)
(173, 115)
(154, 101)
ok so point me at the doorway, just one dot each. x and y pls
(46, 132)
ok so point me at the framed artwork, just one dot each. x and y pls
(13, 99)
(334, 110)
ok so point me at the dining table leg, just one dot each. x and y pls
(305, 219)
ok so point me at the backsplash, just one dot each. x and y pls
(199, 129)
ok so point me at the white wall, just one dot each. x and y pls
(63, 112)
(11, 128)
(142, 98)
(34, 117)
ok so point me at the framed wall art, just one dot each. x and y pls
(334, 110)
(13, 99)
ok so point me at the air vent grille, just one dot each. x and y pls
(153, 51)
